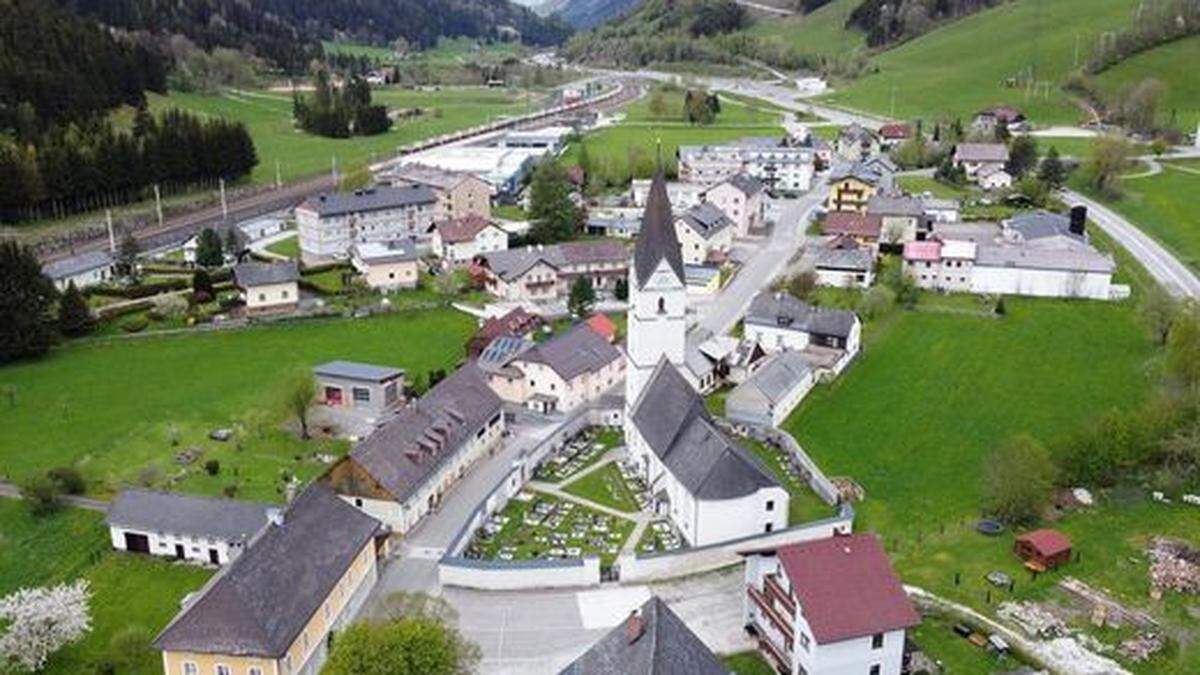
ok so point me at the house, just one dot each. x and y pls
(987, 121)
(864, 228)
(364, 387)
(387, 266)
(329, 223)
(974, 157)
(652, 640)
(1043, 549)
(560, 374)
(550, 140)
(734, 360)
(400, 472)
(84, 269)
(894, 135)
(902, 217)
(781, 168)
(844, 263)
(603, 326)
(851, 188)
(517, 323)
(273, 609)
(779, 321)
(856, 143)
(1045, 229)
(705, 234)
(741, 198)
(831, 605)
(713, 489)
(773, 391)
(459, 193)
(614, 224)
(459, 240)
(1076, 272)
(939, 210)
(940, 265)
(267, 287)
(540, 273)
(504, 169)
(993, 178)
(198, 529)
(703, 279)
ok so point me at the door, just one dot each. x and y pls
(212, 556)
(179, 552)
(137, 543)
(333, 396)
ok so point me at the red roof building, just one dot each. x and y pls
(929, 250)
(517, 323)
(861, 226)
(895, 132)
(1043, 549)
(830, 600)
(603, 326)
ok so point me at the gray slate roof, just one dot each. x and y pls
(772, 382)
(77, 264)
(664, 647)
(785, 311)
(372, 199)
(353, 370)
(260, 602)
(249, 274)
(577, 351)
(672, 418)
(896, 205)
(1076, 259)
(981, 152)
(706, 219)
(749, 185)
(207, 517)
(409, 447)
(847, 259)
(384, 253)
(657, 241)
(1034, 225)
(512, 263)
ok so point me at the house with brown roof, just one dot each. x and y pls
(458, 240)
(459, 193)
(561, 374)
(893, 135)
(861, 227)
(540, 273)
(831, 605)
(517, 323)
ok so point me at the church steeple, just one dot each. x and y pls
(657, 241)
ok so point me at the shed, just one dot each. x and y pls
(1045, 549)
(363, 386)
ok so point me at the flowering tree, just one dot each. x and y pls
(40, 621)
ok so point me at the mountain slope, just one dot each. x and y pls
(821, 31)
(1174, 65)
(584, 14)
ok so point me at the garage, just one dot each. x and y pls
(137, 543)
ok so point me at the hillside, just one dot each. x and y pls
(584, 14)
(286, 31)
(821, 31)
(1173, 65)
(989, 58)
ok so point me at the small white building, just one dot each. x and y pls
(1005, 269)
(199, 529)
(705, 234)
(364, 387)
(974, 157)
(844, 263)
(387, 266)
(773, 391)
(940, 265)
(267, 287)
(939, 210)
(84, 269)
(779, 321)
(458, 241)
(828, 607)
(329, 224)
(993, 178)
(741, 197)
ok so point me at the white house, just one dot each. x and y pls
(387, 266)
(400, 472)
(779, 321)
(364, 387)
(993, 178)
(458, 241)
(940, 265)
(939, 210)
(741, 197)
(705, 234)
(330, 223)
(682, 195)
(773, 391)
(781, 168)
(973, 157)
(199, 529)
(828, 607)
(267, 287)
(712, 489)
(844, 263)
(85, 269)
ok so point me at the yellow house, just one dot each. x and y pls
(273, 610)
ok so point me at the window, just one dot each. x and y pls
(255, 670)
(222, 669)
(262, 297)
(770, 504)
(877, 641)
(804, 641)
(358, 502)
(875, 669)
(768, 527)
(362, 395)
(662, 305)
(283, 294)
(190, 668)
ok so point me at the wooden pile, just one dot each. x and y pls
(1174, 566)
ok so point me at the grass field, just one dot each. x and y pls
(1168, 64)
(268, 116)
(289, 247)
(734, 112)
(383, 54)
(127, 590)
(748, 663)
(112, 407)
(803, 504)
(820, 32)
(962, 67)
(606, 487)
(1162, 206)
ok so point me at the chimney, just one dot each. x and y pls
(1078, 220)
(634, 627)
(275, 516)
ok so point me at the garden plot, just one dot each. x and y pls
(660, 536)
(582, 451)
(543, 527)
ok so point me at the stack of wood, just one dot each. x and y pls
(1142, 647)
(1174, 566)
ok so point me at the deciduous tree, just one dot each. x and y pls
(1017, 480)
(300, 391)
(40, 621)
(408, 646)
(582, 297)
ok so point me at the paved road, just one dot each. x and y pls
(767, 9)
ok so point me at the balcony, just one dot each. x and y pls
(773, 588)
(778, 620)
(774, 654)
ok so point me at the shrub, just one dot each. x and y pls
(42, 495)
(135, 325)
(212, 467)
(68, 479)
(128, 645)
(149, 475)
(230, 490)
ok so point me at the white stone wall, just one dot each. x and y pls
(844, 279)
(507, 576)
(1040, 283)
(775, 338)
(657, 327)
(270, 296)
(195, 548)
(854, 656)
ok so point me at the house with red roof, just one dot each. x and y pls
(1043, 549)
(892, 135)
(458, 240)
(861, 227)
(603, 326)
(830, 605)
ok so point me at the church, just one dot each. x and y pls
(713, 489)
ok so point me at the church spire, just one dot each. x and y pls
(657, 240)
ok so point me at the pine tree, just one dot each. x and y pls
(26, 299)
(209, 252)
(127, 254)
(555, 216)
(1052, 172)
(74, 317)
(582, 298)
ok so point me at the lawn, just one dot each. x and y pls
(604, 486)
(599, 439)
(112, 407)
(268, 116)
(822, 31)
(747, 663)
(289, 247)
(734, 111)
(804, 505)
(568, 525)
(965, 66)
(1157, 204)
(1170, 65)
(127, 590)
(920, 184)
(381, 54)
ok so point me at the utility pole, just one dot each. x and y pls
(224, 203)
(158, 204)
(112, 239)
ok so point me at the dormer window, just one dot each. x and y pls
(662, 305)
